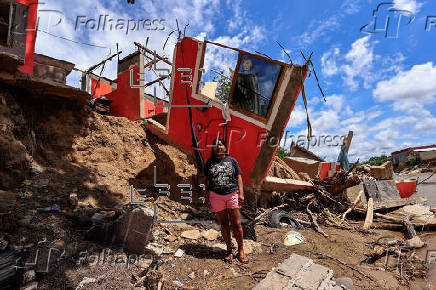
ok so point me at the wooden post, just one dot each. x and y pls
(347, 140)
(370, 189)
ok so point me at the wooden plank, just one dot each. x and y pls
(347, 140)
(369, 214)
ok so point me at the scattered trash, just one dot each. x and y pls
(178, 283)
(30, 286)
(52, 208)
(85, 281)
(39, 183)
(293, 238)
(73, 199)
(192, 275)
(29, 276)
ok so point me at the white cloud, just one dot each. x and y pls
(325, 120)
(319, 28)
(328, 62)
(298, 116)
(350, 6)
(417, 85)
(409, 5)
(361, 58)
(335, 102)
(374, 115)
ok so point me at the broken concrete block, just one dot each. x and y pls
(345, 282)
(179, 253)
(384, 171)
(300, 164)
(133, 229)
(154, 249)
(210, 234)
(298, 272)
(414, 243)
(252, 247)
(192, 234)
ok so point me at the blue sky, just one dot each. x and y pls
(382, 88)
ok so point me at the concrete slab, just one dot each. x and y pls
(298, 272)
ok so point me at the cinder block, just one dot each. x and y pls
(300, 164)
(385, 171)
(133, 229)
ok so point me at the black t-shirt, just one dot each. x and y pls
(222, 174)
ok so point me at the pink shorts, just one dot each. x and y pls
(219, 202)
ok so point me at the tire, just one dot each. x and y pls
(278, 216)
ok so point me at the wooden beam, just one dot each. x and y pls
(347, 140)
(155, 81)
(152, 52)
(103, 61)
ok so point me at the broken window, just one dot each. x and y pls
(5, 22)
(216, 77)
(256, 83)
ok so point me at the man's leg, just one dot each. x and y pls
(235, 218)
(225, 231)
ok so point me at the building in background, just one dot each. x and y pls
(127, 100)
(18, 21)
(423, 152)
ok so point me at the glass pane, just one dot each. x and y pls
(256, 84)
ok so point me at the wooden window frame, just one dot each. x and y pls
(275, 90)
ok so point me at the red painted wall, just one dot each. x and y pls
(242, 135)
(125, 100)
(31, 35)
(101, 89)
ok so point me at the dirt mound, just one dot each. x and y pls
(64, 149)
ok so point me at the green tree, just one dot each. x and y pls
(282, 152)
(223, 88)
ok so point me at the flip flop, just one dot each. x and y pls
(243, 260)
